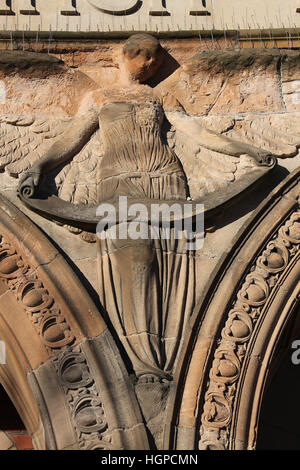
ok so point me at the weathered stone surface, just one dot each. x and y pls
(52, 403)
(29, 64)
(6, 443)
(292, 100)
(31, 83)
(126, 424)
(77, 392)
(290, 67)
(24, 331)
(290, 82)
(229, 82)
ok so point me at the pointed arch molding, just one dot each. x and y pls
(63, 371)
(248, 302)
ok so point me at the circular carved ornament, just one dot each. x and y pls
(121, 7)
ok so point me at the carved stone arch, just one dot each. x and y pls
(13, 379)
(251, 296)
(262, 347)
(63, 371)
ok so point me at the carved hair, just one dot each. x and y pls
(141, 41)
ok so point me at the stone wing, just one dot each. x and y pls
(277, 133)
(24, 139)
(208, 171)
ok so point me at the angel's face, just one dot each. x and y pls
(143, 63)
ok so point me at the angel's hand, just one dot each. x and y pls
(29, 182)
(216, 141)
(262, 157)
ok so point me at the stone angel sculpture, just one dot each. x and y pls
(131, 140)
(90, 133)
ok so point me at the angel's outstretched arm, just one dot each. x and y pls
(65, 148)
(213, 140)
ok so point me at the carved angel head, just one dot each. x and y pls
(142, 56)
